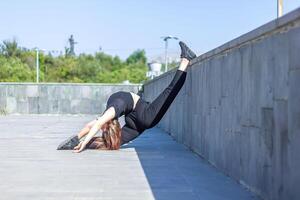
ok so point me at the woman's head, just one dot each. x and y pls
(112, 134)
(111, 137)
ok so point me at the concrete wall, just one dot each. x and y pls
(57, 98)
(240, 108)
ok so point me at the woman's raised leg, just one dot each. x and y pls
(183, 64)
(156, 110)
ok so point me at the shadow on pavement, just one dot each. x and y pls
(174, 172)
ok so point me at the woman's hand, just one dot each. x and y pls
(108, 115)
(80, 147)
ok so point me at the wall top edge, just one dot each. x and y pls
(247, 37)
(66, 84)
(253, 35)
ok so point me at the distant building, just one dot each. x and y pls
(172, 57)
(154, 69)
(126, 82)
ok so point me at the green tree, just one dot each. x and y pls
(138, 56)
(13, 70)
(9, 48)
(18, 64)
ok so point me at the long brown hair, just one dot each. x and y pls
(110, 139)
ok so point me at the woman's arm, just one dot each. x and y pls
(108, 115)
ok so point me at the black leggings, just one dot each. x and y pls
(149, 114)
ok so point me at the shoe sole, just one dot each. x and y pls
(60, 147)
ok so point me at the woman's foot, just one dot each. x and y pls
(186, 52)
(69, 143)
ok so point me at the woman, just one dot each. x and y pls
(139, 114)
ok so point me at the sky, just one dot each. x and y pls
(119, 27)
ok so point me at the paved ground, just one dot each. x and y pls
(152, 167)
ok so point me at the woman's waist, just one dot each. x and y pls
(140, 106)
(135, 118)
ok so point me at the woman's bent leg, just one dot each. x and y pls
(128, 134)
(96, 143)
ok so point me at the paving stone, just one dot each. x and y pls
(153, 166)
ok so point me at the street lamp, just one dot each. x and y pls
(37, 50)
(166, 38)
(37, 65)
(279, 8)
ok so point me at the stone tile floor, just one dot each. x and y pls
(154, 166)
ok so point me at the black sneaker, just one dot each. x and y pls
(186, 52)
(69, 143)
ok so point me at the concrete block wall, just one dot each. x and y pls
(240, 108)
(56, 98)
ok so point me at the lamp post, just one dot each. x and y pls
(166, 38)
(279, 8)
(37, 63)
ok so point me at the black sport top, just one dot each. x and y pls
(122, 102)
(134, 118)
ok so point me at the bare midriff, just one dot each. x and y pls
(135, 98)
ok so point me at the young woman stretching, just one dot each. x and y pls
(139, 114)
